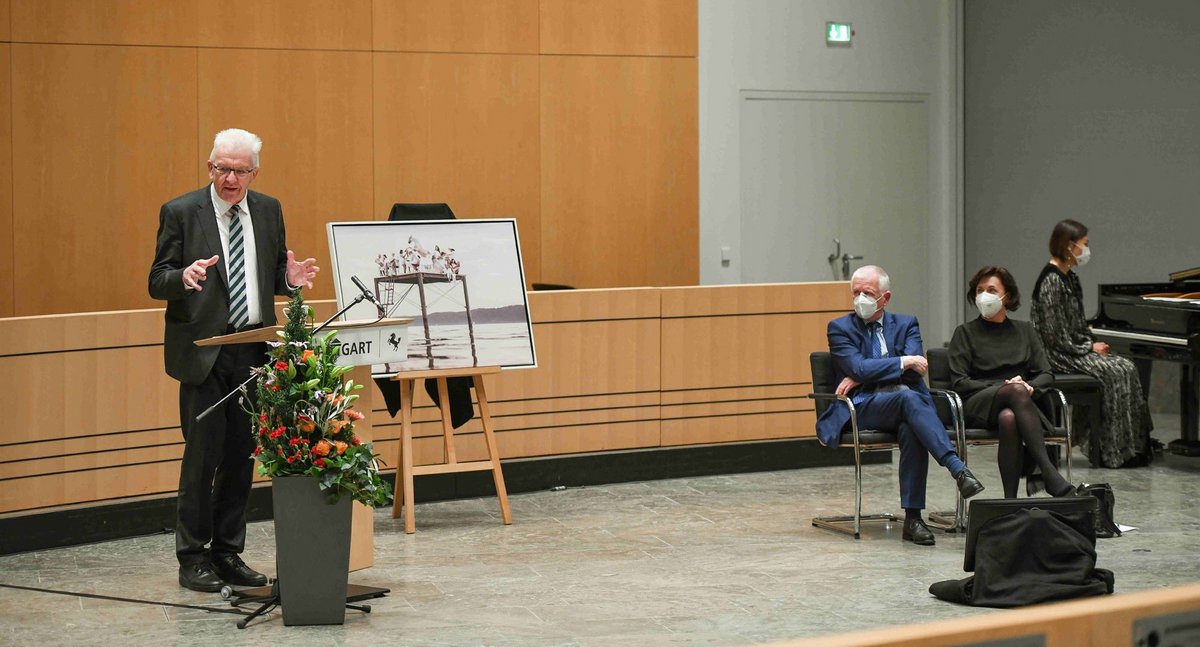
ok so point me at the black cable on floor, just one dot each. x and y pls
(133, 600)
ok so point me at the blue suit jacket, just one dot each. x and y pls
(849, 344)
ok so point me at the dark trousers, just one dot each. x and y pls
(217, 468)
(921, 434)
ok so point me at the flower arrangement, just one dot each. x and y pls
(303, 422)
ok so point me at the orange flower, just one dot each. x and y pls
(305, 424)
(354, 415)
(333, 427)
(322, 448)
(305, 355)
(341, 447)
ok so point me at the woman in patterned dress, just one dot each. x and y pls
(1124, 438)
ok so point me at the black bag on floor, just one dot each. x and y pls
(1029, 556)
(1106, 527)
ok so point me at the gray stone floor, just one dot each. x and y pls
(725, 560)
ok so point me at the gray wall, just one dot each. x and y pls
(1087, 110)
(900, 46)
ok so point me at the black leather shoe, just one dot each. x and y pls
(918, 533)
(233, 570)
(968, 485)
(199, 577)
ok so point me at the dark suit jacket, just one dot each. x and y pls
(187, 231)
(849, 345)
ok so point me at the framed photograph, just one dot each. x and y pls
(460, 281)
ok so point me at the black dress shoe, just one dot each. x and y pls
(199, 577)
(918, 533)
(233, 570)
(968, 485)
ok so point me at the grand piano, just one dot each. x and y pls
(1158, 321)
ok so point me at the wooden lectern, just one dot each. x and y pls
(404, 477)
(362, 539)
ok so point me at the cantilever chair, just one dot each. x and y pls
(1053, 404)
(862, 441)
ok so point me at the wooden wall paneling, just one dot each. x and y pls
(461, 129)
(623, 27)
(7, 307)
(494, 27)
(594, 305)
(619, 171)
(832, 298)
(286, 24)
(110, 22)
(87, 393)
(705, 352)
(85, 331)
(102, 138)
(5, 29)
(89, 486)
(313, 112)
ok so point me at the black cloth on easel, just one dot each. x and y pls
(459, 388)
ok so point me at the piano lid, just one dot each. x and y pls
(1185, 274)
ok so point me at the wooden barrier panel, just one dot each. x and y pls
(6, 214)
(112, 22)
(1094, 622)
(97, 417)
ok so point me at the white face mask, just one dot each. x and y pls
(1084, 256)
(865, 306)
(989, 304)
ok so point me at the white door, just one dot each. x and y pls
(850, 166)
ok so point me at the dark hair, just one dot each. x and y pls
(1066, 232)
(1012, 295)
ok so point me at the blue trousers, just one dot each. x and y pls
(921, 434)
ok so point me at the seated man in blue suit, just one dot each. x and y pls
(878, 356)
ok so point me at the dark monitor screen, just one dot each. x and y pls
(984, 510)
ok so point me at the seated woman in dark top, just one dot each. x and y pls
(997, 365)
(1124, 439)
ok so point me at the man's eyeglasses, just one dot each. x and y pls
(240, 173)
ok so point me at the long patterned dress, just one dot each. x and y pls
(1058, 317)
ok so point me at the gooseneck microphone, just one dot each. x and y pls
(367, 293)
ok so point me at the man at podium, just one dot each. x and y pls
(220, 258)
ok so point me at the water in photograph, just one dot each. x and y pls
(496, 344)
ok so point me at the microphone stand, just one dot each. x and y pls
(241, 388)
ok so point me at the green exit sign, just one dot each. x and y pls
(838, 34)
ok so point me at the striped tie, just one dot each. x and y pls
(239, 309)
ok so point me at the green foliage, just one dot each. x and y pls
(303, 421)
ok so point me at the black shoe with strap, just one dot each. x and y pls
(233, 570)
(200, 577)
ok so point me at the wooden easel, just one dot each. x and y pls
(404, 483)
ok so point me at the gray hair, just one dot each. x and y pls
(885, 282)
(236, 140)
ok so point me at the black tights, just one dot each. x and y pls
(1020, 437)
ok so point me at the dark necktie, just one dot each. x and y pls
(878, 345)
(239, 308)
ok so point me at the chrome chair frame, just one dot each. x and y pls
(839, 523)
(979, 437)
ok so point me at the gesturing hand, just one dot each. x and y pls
(198, 271)
(301, 273)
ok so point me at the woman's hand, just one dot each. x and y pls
(1100, 347)
(1019, 380)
